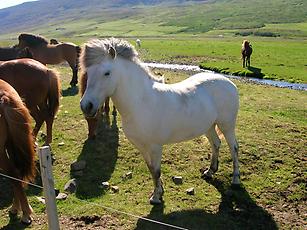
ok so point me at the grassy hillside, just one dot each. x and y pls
(67, 18)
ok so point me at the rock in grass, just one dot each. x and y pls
(177, 179)
(71, 186)
(128, 175)
(190, 191)
(115, 189)
(105, 185)
(78, 165)
(61, 196)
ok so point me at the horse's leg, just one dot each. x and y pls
(152, 156)
(215, 143)
(35, 113)
(92, 124)
(49, 124)
(6, 166)
(243, 61)
(74, 68)
(107, 106)
(25, 207)
(248, 61)
(229, 134)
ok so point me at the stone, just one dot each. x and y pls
(128, 175)
(78, 165)
(115, 189)
(61, 143)
(71, 186)
(190, 191)
(105, 185)
(177, 179)
(61, 196)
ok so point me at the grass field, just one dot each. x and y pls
(271, 131)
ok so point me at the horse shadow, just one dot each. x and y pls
(100, 156)
(70, 91)
(255, 72)
(237, 210)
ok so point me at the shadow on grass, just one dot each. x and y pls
(100, 156)
(237, 210)
(255, 72)
(70, 91)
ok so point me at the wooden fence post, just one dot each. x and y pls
(48, 184)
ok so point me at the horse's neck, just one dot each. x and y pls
(134, 84)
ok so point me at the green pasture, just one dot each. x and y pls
(271, 131)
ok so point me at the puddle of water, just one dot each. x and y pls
(194, 68)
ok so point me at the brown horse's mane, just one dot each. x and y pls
(33, 40)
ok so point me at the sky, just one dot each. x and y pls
(8, 3)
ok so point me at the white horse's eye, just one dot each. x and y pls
(107, 73)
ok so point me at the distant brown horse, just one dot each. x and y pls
(38, 86)
(17, 156)
(246, 52)
(93, 122)
(10, 53)
(52, 54)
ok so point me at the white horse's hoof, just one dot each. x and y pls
(154, 201)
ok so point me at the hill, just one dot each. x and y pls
(154, 17)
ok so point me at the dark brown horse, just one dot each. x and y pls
(52, 54)
(93, 122)
(10, 53)
(38, 86)
(246, 52)
(17, 156)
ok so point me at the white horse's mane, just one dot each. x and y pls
(95, 50)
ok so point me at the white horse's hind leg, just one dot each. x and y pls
(215, 143)
(230, 137)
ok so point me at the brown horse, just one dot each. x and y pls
(17, 156)
(93, 122)
(38, 86)
(52, 54)
(10, 53)
(246, 52)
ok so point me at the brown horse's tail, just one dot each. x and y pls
(20, 144)
(54, 92)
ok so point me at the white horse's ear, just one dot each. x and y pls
(112, 52)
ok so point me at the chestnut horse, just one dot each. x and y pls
(246, 52)
(10, 53)
(52, 54)
(38, 86)
(17, 155)
(93, 122)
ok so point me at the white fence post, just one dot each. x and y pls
(48, 184)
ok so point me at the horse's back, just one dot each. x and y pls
(28, 77)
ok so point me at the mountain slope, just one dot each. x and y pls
(67, 17)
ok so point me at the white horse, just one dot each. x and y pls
(138, 42)
(153, 113)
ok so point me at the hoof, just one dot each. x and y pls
(26, 222)
(13, 213)
(155, 201)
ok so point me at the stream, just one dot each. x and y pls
(194, 68)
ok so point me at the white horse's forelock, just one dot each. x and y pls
(95, 50)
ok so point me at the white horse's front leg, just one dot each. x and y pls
(152, 155)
